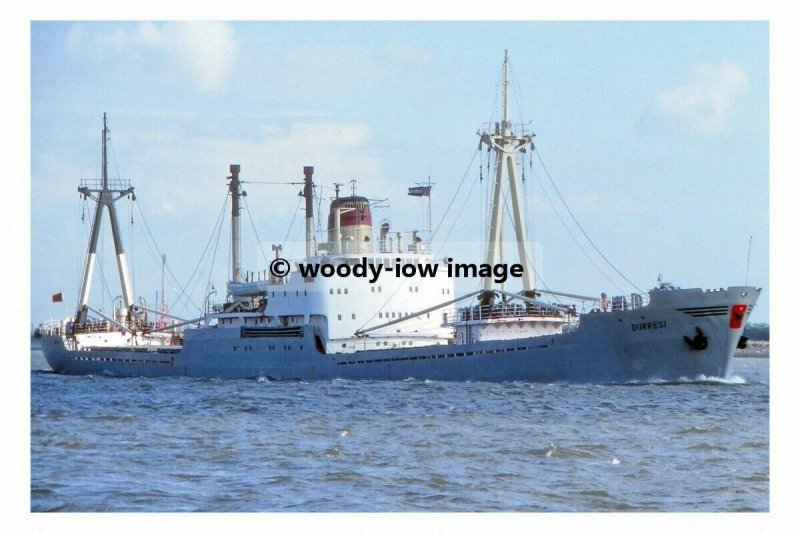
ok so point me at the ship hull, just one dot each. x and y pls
(639, 345)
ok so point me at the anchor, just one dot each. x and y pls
(699, 342)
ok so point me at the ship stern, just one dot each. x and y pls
(55, 352)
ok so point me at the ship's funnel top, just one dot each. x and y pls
(354, 211)
(350, 225)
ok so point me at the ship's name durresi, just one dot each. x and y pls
(641, 326)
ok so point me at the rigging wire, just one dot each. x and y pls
(289, 231)
(529, 222)
(81, 247)
(572, 215)
(452, 201)
(252, 223)
(458, 216)
(517, 92)
(103, 283)
(319, 207)
(481, 203)
(213, 261)
(154, 245)
(272, 182)
(132, 240)
(114, 157)
(218, 230)
(154, 250)
(572, 235)
(494, 111)
(229, 263)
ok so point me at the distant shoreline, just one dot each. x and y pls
(754, 350)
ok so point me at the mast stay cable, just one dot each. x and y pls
(154, 244)
(580, 227)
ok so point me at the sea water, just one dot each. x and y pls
(177, 444)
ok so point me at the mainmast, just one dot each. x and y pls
(105, 197)
(506, 143)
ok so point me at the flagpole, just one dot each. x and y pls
(424, 190)
(429, 214)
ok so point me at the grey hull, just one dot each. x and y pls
(645, 344)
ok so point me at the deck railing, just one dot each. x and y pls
(484, 312)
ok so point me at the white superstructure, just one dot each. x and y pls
(342, 305)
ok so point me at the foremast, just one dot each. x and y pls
(105, 196)
(506, 144)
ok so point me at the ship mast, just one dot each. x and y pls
(506, 143)
(105, 197)
(236, 242)
(308, 194)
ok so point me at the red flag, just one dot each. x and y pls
(58, 297)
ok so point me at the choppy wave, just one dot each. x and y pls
(102, 444)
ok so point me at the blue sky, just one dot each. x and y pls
(655, 133)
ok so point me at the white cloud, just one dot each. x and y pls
(200, 53)
(705, 101)
(74, 38)
(203, 51)
(149, 34)
(198, 163)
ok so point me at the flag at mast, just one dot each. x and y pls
(420, 191)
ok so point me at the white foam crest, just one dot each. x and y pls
(699, 379)
(730, 380)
